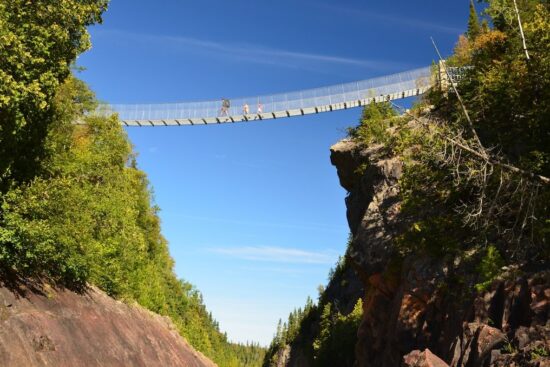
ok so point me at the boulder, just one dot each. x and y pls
(426, 358)
(475, 345)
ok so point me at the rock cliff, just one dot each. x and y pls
(49, 327)
(420, 310)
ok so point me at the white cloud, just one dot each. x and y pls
(276, 254)
(251, 52)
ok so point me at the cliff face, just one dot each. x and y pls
(62, 328)
(424, 311)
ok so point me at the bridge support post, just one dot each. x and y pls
(443, 77)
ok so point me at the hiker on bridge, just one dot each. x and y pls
(246, 109)
(226, 104)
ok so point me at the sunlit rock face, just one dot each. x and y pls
(371, 178)
(424, 311)
(47, 327)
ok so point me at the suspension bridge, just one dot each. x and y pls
(311, 101)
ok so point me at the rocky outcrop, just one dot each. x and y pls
(62, 328)
(422, 310)
(372, 204)
(476, 344)
(283, 357)
(426, 358)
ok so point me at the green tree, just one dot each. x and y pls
(375, 120)
(335, 344)
(74, 208)
(473, 22)
(514, 92)
(39, 40)
(88, 218)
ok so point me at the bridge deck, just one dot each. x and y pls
(312, 101)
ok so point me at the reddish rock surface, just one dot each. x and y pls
(62, 328)
(426, 358)
(418, 301)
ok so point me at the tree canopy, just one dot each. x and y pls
(74, 208)
(39, 41)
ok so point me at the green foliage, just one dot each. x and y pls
(375, 120)
(335, 344)
(539, 352)
(39, 40)
(507, 98)
(507, 95)
(291, 332)
(88, 218)
(427, 189)
(503, 16)
(74, 208)
(249, 355)
(66, 222)
(320, 332)
(509, 348)
(428, 195)
(338, 270)
(473, 22)
(489, 268)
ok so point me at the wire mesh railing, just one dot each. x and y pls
(418, 79)
(458, 73)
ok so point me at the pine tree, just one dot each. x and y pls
(473, 23)
(484, 26)
(279, 334)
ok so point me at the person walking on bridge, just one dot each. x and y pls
(246, 109)
(225, 107)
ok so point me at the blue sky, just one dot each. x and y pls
(253, 212)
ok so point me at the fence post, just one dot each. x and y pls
(443, 77)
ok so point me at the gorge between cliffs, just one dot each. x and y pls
(444, 172)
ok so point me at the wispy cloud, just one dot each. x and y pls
(276, 254)
(252, 53)
(406, 22)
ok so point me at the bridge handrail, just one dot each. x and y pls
(418, 78)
